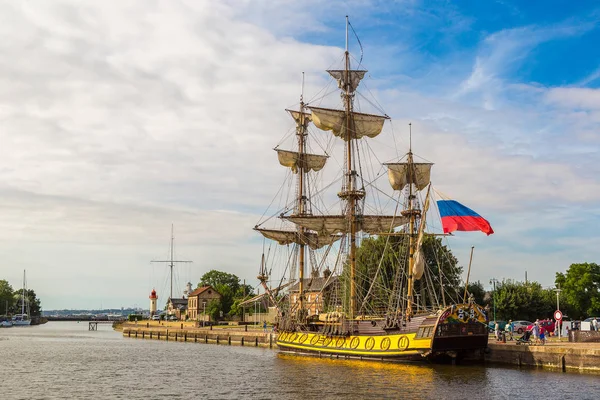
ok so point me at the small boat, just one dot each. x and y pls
(23, 318)
(5, 323)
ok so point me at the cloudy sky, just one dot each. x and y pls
(118, 119)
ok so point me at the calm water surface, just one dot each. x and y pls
(63, 360)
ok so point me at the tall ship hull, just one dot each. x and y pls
(372, 281)
(457, 331)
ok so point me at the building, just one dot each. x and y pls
(177, 307)
(198, 300)
(317, 293)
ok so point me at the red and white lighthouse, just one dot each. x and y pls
(153, 298)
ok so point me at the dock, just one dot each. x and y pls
(241, 336)
(556, 355)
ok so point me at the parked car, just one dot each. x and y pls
(156, 317)
(492, 325)
(521, 326)
(171, 318)
(547, 324)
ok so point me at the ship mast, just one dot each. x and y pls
(301, 133)
(350, 180)
(412, 214)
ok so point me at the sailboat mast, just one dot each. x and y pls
(23, 297)
(301, 133)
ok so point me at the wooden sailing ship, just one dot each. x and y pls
(350, 308)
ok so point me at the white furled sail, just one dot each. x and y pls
(311, 239)
(300, 117)
(295, 160)
(419, 266)
(343, 77)
(335, 120)
(400, 174)
(332, 224)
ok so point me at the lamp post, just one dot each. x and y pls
(204, 312)
(558, 323)
(493, 282)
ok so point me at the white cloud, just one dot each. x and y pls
(117, 119)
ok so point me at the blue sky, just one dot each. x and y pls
(120, 119)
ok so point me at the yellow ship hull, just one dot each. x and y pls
(393, 346)
(457, 330)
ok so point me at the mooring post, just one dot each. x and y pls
(205, 338)
(256, 341)
(246, 328)
(217, 339)
(242, 341)
(270, 340)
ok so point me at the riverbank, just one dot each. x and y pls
(554, 355)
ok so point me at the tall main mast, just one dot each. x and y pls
(350, 181)
(301, 133)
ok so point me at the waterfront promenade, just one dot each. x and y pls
(555, 354)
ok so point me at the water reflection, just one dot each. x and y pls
(65, 360)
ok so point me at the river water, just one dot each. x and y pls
(63, 360)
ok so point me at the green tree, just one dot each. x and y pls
(477, 290)
(517, 300)
(580, 293)
(33, 305)
(392, 253)
(229, 286)
(213, 309)
(6, 296)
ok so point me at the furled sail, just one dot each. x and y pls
(300, 117)
(335, 120)
(343, 77)
(311, 239)
(295, 160)
(332, 224)
(400, 174)
(419, 266)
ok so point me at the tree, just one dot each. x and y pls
(477, 290)
(229, 286)
(214, 309)
(6, 296)
(392, 252)
(32, 304)
(580, 290)
(518, 300)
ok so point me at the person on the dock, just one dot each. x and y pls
(509, 329)
(595, 324)
(497, 330)
(542, 335)
(265, 326)
(535, 330)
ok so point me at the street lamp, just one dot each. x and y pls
(493, 282)
(204, 313)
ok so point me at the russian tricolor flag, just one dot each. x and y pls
(456, 217)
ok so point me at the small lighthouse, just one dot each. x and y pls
(153, 297)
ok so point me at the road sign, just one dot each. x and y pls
(558, 315)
